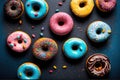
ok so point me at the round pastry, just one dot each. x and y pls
(106, 5)
(61, 23)
(36, 9)
(98, 65)
(45, 48)
(14, 8)
(29, 71)
(19, 41)
(82, 8)
(98, 31)
(74, 48)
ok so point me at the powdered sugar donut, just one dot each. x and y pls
(61, 23)
(19, 41)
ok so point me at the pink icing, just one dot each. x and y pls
(64, 27)
(19, 41)
(107, 5)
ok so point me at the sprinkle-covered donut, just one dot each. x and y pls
(98, 31)
(29, 71)
(82, 8)
(106, 5)
(98, 65)
(36, 9)
(61, 23)
(45, 48)
(19, 41)
(14, 8)
(74, 48)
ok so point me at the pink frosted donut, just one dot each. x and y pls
(61, 23)
(106, 5)
(19, 41)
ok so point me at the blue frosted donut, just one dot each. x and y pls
(29, 71)
(74, 48)
(36, 9)
(98, 31)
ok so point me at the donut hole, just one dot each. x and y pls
(19, 41)
(13, 7)
(61, 23)
(45, 47)
(28, 72)
(82, 4)
(36, 7)
(74, 47)
(99, 65)
(99, 31)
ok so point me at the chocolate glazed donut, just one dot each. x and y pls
(98, 65)
(14, 8)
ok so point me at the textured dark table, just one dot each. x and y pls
(10, 61)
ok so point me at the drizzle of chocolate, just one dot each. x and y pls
(100, 70)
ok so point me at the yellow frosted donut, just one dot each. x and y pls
(82, 8)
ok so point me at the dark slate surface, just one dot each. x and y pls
(10, 61)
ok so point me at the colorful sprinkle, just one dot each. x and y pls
(109, 31)
(36, 14)
(33, 27)
(60, 3)
(42, 29)
(33, 36)
(55, 67)
(64, 67)
(11, 45)
(28, 4)
(24, 46)
(41, 34)
(50, 71)
(20, 22)
(18, 37)
(103, 30)
(25, 40)
(57, 10)
(20, 74)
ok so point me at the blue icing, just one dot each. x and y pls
(98, 31)
(74, 53)
(36, 14)
(31, 67)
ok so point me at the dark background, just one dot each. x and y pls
(10, 61)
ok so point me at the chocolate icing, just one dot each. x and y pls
(98, 65)
(13, 8)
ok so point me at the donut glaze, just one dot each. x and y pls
(98, 65)
(19, 41)
(36, 9)
(45, 48)
(98, 31)
(82, 8)
(61, 23)
(74, 48)
(14, 8)
(106, 5)
(29, 71)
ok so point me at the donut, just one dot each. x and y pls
(61, 23)
(105, 5)
(82, 8)
(45, 48)
(36, 9)
(14, 8)
(29, 71)
(19, 41)
(74, 48)
(98, 65)
(98, 31)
